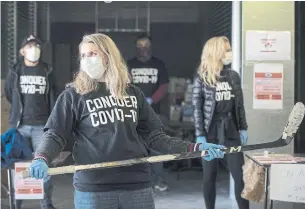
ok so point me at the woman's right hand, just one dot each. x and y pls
(213, 151)
(39, 169)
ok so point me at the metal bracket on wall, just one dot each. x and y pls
(116, 9)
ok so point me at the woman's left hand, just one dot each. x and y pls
(243, 137)
(213, 151)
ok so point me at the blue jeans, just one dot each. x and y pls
(129, 199)
(35, 136)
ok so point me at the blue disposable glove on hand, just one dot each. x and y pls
(243, 137)
(149, 100)
(201, 139)
(39, 170)
(213, 151)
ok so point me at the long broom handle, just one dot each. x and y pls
(74, 168)
(295, 119)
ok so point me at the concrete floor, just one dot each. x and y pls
(185, 193)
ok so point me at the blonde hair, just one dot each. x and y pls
(211, 59)
(116, 75)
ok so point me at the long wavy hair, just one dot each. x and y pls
(116, 75)
(211, 59)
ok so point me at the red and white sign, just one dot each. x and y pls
(268, 45)
(28, 188)
(268, 86)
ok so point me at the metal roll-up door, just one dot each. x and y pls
(19, 19)
(4, 36)
(32, 17)
(11, 32)
(220, 20)
(22, 21)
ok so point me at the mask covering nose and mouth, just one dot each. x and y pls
(227, 59)
(32, 54)
(144, 50)
(93, 67)
(144, 53)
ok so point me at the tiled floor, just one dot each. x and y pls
(184, 194)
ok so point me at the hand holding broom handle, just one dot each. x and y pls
(74, 168)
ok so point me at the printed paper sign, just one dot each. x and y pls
(268, 86)
(268, 45)
(28, 188)
(287, 182)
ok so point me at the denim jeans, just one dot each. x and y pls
(129, 199)
(35, 135)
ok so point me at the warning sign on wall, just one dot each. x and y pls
(268, 45)
(268, 86)
(28, 188)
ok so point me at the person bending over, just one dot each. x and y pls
(219, 115)
(111, 121)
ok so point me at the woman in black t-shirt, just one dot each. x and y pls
(219, 115)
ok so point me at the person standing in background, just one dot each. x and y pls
(150, 75)
(219, 115)
(30, 90)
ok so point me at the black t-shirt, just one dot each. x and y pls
(33, 85)
(148, 76)
(223, 125)
(224, 96)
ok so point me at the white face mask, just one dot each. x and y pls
(93, 66)
(227, 59)
(32, 54)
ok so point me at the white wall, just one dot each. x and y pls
(267, 125)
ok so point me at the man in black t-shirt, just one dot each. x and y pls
(150, 75)
(30, 89)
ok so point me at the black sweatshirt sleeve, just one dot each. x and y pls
(151, 131)
(58, 128)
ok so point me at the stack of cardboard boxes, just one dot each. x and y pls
(180, 99)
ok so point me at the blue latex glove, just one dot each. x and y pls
(39, 170)
(243, 137)
(201, 139)
(213, 151)
(149, 100)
